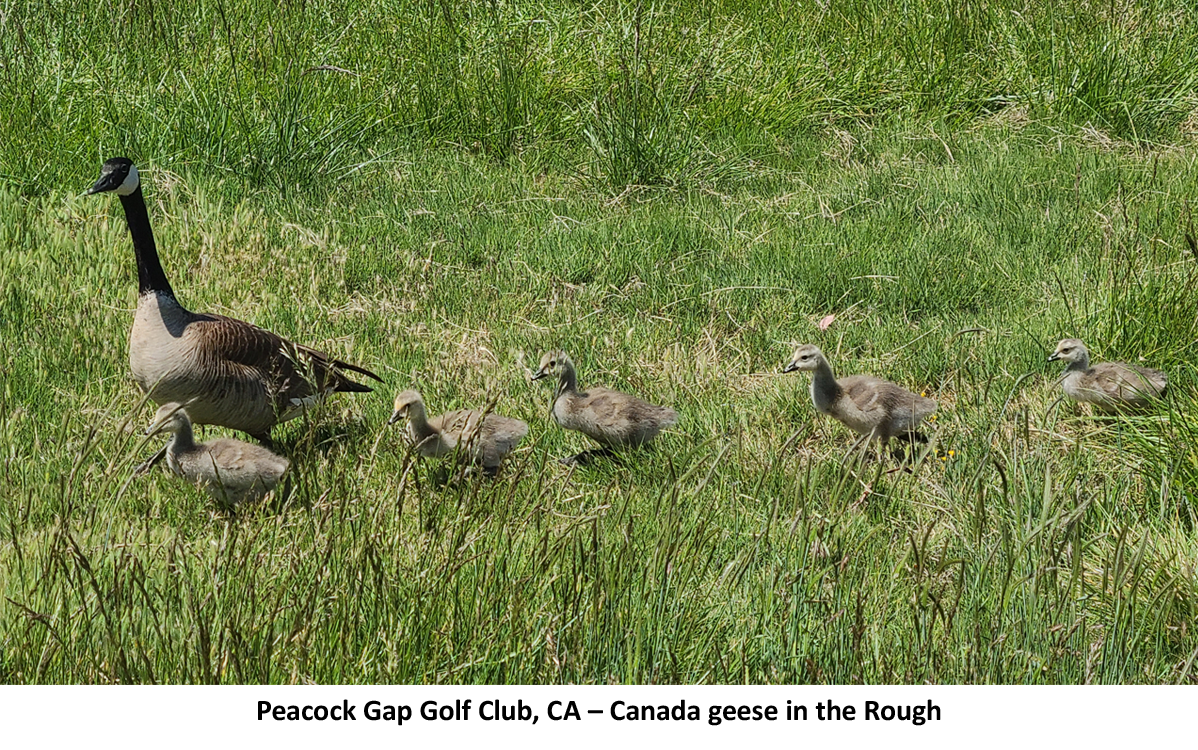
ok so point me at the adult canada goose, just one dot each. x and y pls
(1107, 385)
(610, 418)
(477, 436)
(227, 371)
(231, 471)
(871, 407)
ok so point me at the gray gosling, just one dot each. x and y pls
(233, 472)
(610, 418)
(227, 371)
(870, 406)
(1107, 385)
(476, 436)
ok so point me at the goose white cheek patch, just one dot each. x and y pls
(132, 180)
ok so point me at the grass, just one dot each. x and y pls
(675, 198)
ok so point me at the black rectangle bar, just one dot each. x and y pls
(599, 712)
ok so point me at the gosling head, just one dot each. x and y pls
(404, 403)
(806, 357)
(551, 364)
(169, 418)
(1071, 351)
(117, 174)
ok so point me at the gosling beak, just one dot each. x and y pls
(790, 367)
(1054, 357)
(539, 374)
(395, 417)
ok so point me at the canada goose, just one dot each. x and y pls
(231, 471)
(610, 418)
(871, 407)
(1107, 385)
(477, 436)
(227, 371)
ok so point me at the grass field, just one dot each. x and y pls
(676, 195)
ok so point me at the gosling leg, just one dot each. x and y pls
(585, 458)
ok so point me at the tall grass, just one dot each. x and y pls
(626, 92)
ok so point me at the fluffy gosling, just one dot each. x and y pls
(233, 472)
(610, 418)
(478, 437)
(870, 406)
(1107, 385)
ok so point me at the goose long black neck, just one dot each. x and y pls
(151, 279)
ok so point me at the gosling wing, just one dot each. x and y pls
(1118, 382)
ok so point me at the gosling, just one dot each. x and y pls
(233, 472)
(1108, 385)
(475, 435)
(610, 418)
(870, 406)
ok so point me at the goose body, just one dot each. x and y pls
(611, 418)
(229, 372)
(475, 435)
(1108, 385)
(230, 470)
(870, 406)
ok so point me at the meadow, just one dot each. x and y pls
(676, 194)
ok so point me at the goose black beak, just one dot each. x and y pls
(109, 181)
(395, 417)
(1054, 357)
(539, 374)
(790, 367)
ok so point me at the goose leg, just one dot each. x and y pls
(150, 462)
(264, 439)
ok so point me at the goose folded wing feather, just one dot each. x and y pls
(296, 372)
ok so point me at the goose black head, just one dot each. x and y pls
(117, 174)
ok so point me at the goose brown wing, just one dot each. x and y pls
(288, 370)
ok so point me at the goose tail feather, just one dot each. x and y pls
(356, 387)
